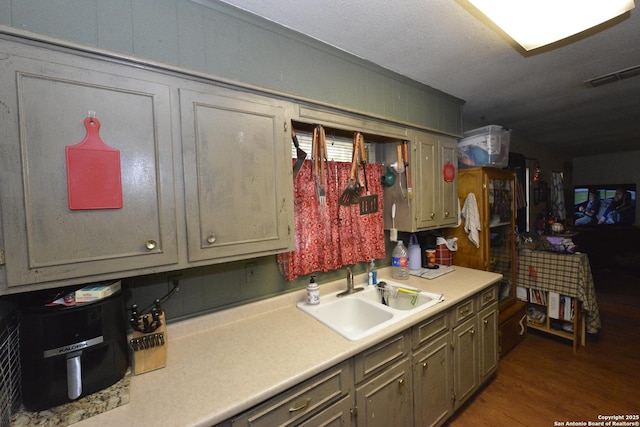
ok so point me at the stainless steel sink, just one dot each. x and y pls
(361, 314)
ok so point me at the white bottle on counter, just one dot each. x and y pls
(313, 292)
(373, 273)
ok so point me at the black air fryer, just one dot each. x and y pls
(70, 352)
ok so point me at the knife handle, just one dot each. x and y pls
(294, 137)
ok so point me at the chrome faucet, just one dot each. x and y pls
(350, 289)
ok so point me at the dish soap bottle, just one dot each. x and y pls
(400, 262)
(373, 273)
(313, 292)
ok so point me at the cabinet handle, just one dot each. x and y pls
(211, 239)
(425, 366)
(301, 407)
(465, 312)
(446, 214)
(485, 321)
(522, 328)
(433, 215)
(472, 331)
(151, 244)
(401, 382)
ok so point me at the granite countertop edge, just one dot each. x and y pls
(223, 363)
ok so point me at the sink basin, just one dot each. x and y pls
(351, 317)
(361, 314)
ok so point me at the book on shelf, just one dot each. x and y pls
(554, 305)
(537, 297)
(566, 308)
(522, 294)
(98, 291)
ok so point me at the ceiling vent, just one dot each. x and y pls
(613, 77)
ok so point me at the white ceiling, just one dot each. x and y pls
(446, 44)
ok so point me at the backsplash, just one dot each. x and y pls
(212, 288)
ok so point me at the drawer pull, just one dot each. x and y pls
(522, 328)
(465, 311)
(211, 239)
(302, 407)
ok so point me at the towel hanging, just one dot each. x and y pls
(472, 219)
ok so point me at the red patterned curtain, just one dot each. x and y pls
(330, 236)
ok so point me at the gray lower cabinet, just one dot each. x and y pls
(384, 383)
(416, 378)
(432, 382)
(475, 343)
(323, 398)
(237, 164)
(465, 357)
(488, 328)
(45, 99)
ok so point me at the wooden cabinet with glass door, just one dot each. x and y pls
(494, 191)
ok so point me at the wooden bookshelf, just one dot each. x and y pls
(577, 321)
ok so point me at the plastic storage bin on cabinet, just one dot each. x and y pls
(485, 146)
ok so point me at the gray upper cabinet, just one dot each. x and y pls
(237, 170)
(435, 199)
(44, 104)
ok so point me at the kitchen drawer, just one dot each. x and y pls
(430, 328)
(382, 355)
(487, 297)
(307, 398)
(463, 311)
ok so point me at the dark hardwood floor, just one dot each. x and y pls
(543, 383)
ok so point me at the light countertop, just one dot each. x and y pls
(221, 364)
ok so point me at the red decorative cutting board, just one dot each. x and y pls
(93, 172)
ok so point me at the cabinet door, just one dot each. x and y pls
(448, 213)
(45, 107)
(432, 382)
(488, 351)
(465, 360)
(427, 182)
(501, 214)
(386, 399)
(238, 179)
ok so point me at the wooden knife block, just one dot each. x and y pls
(154, 355)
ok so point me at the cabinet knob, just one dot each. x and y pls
(433, 215)
(472, 331)
(401, 382)
(485, 321)
(151, 244)
(446, 214)
(211, 239)
(425, 366)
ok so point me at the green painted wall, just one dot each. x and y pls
(213, 38)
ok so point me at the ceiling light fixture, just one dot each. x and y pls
(536, 23)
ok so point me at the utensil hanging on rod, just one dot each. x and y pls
(368, 202)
